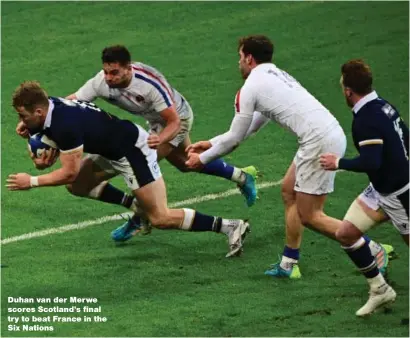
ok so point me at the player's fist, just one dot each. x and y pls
(47, 159)
(153, 141)
(22, 130)
(198, 147)
(329, 161)
(194, 162)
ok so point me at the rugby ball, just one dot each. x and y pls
(39, 143)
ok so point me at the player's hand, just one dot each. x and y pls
(153, 141)
(47, 159)
(18, 182)
(329, 161)
(22, 130)
(198, 147)
(194, 161)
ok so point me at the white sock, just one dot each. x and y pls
(287, 263)
(374, 248)
(135, 206)
(229, 224)
(377, 283)
(238, 176)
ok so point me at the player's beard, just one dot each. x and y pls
(244, 72)
(349, 102)
(124, 83)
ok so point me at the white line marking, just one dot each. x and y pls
(117, 217)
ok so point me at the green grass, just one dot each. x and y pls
(175, 283)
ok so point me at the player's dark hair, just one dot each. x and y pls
(259, 46)
(116, 54)
(357, 76)
(29, 95)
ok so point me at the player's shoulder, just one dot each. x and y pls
(99, 80)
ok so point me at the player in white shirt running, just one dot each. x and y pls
(270, 93)
(142, 90)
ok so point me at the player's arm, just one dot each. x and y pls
(70, 167)
(172, 127)
(89, 91)
(227, 142)
(258, 122)
(370, 142)
(160, 96)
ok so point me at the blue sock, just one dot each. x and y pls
(218, 168)
(367, 239)
(112, 195)
(361, 256)
(203, 222)
(291, 253)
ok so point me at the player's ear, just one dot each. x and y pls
(39, 111)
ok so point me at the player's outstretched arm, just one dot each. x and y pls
(370, 158)
(70, 167)
(71, 97)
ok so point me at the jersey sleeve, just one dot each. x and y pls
(369, 132)
(157, 91)
(227, 142)
(89, 91)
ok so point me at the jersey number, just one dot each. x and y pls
(82, 104)
(288, 79)
(399, 131)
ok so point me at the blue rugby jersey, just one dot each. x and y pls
(382, 139)
(75, 124)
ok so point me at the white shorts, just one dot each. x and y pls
(186, 125)
(138, 167)
(395, 205)
(310, 177)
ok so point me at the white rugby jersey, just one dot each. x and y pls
(148, 94)
(271, 93)
(279, 97)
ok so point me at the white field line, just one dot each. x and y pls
(101, 220)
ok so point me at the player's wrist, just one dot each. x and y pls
(337, 162)
(34, 181)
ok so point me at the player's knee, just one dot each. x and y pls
(288, 195)
(309, 217)
(183, 168)
(348, 233)
(76, 190)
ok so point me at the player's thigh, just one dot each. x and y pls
(179, 156)
(288, 185)
(94, 170)
(396, 206)
(309, 205)
(164, 150)
(311, 178)
(369, 202)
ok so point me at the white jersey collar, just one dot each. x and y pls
(263, 65)
(365, 99)
(47, 122)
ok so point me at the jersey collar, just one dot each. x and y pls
(47, 122)
(365, 99)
